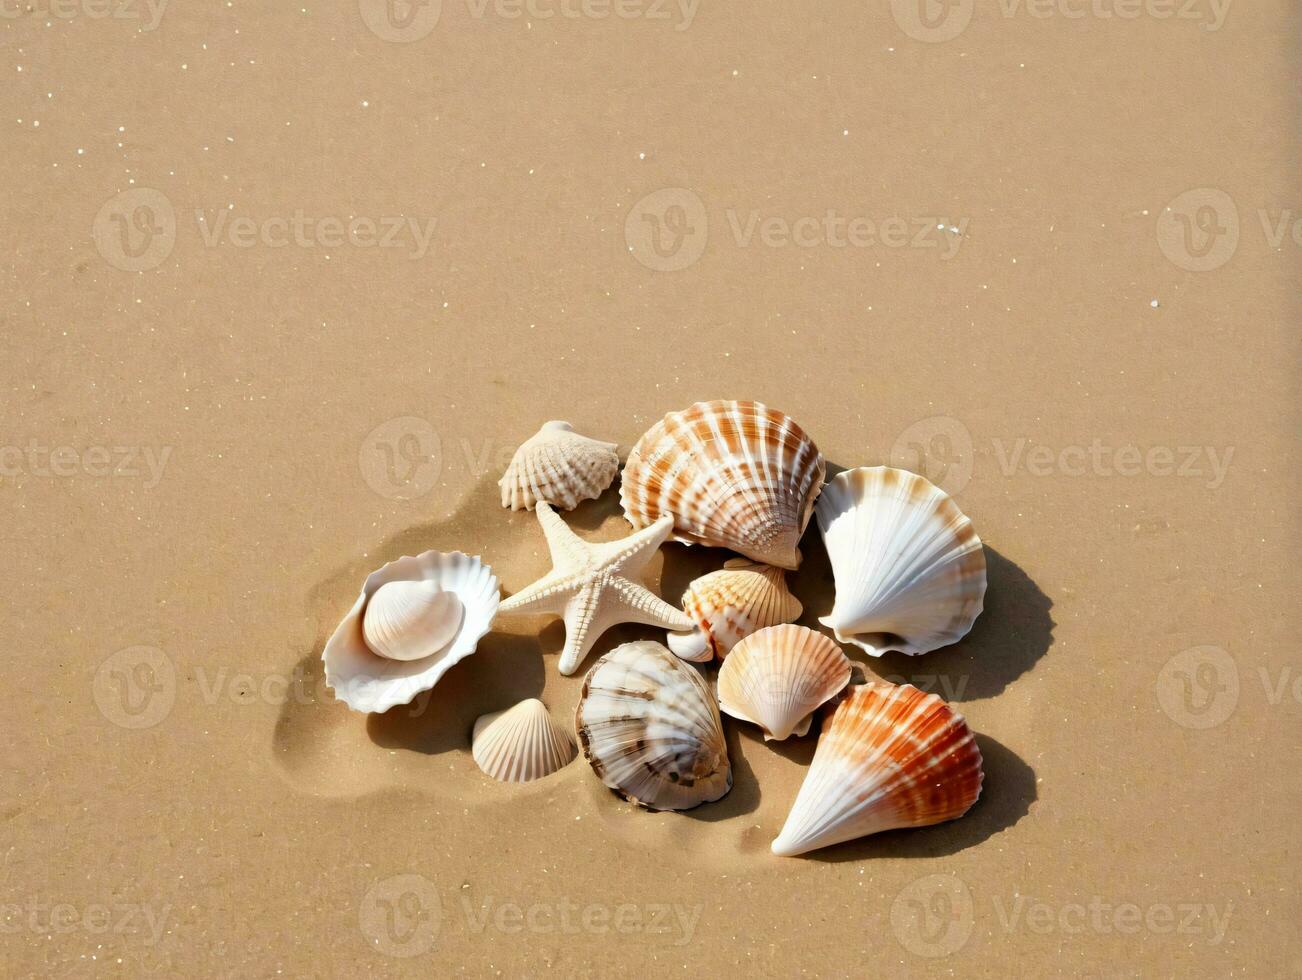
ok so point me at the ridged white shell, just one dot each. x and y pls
(734, 474)
(909, 569)
(410, 620)
(560, 467)
(777, 678)
(650, 728)
(367, 682)
(890, 757)
(521, 744)
(732, 603)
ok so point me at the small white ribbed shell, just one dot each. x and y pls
(734, 474)
(411, 620)
(521, 744)
(560, 467)
(650, 728)
(909, 568)
(368, 682)
(777, 678)
(732, 603)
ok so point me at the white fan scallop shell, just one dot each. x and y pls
(778, 677)
(522, 743)
(368, 682)
(651, 730)
(559, 466)
(909, 568)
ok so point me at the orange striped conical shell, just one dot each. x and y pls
(778, 677)
(731, 604)
(734, 474)
(891, 757)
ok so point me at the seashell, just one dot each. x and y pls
(733, 474)
(732, 603)
(909, 569)
(777, 678)
(651, 730)
(560, 467)
(891, 757)
(410, 620)
(366, 681)
(521, 744)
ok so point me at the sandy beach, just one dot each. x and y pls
(284, 289)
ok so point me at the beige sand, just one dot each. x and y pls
(249, 408)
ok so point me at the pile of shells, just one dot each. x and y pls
(909, 574)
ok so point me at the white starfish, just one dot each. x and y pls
(593, 586)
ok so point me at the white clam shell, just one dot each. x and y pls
(411, 620)
(730, 604)
(734, 474)
(778, 677)
(368, 682)
(522, 743)
(909, 568)
(651, 730)
(558, 466)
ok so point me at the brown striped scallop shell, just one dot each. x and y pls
(734, 474)
(651, 730)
